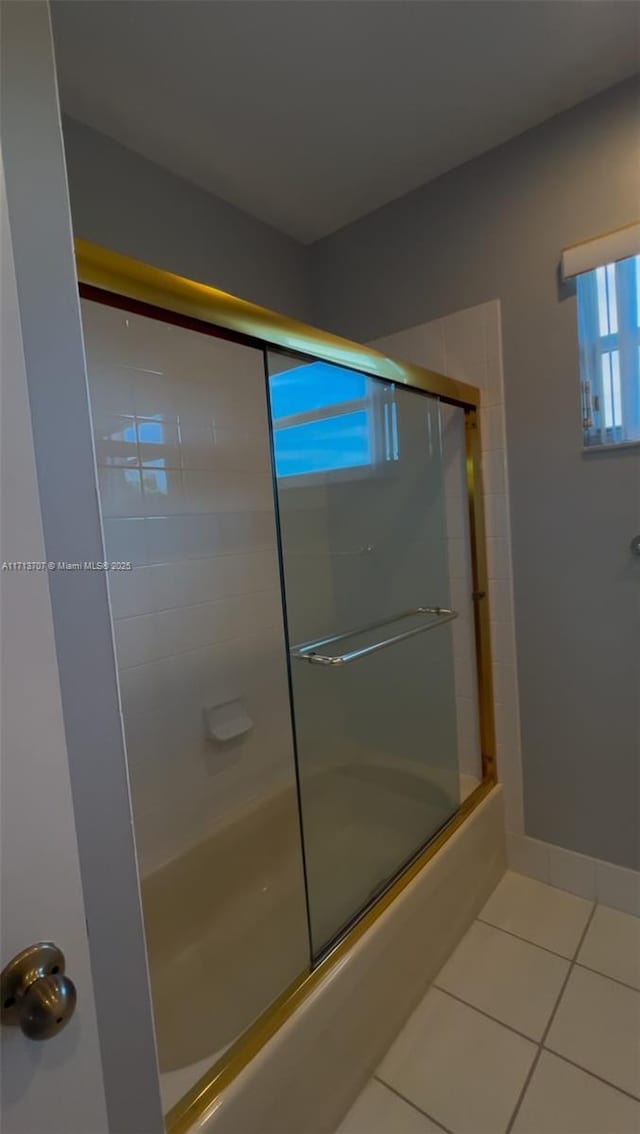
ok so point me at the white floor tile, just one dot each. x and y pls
(562, 1098)
(460, 1067)
(597, 1026)
(378, 1111)
(612, 945)
(513, 981)
(543, 915)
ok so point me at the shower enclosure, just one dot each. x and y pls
(297, 586)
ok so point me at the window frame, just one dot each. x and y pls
(594, 347)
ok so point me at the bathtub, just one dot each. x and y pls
(223, 921)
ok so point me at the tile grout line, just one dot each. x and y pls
(413, 1105)
(607, 976)
(572, 965)
(487, 1015)
(190, 605)
(592, 1074)
(244, 637)
(527, 940)
(525, 1088)
(536, 1060)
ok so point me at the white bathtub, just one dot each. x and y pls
(223, 931)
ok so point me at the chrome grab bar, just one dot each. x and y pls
(307, 651)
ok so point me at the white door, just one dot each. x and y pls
(67, 851)
(54, 1085)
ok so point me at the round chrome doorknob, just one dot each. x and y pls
(35, 994)
(634, 546)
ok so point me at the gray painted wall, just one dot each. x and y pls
(495, 227)
(129, 204)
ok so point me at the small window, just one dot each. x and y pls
(609, 337)
(329, 419)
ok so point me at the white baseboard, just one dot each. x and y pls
(604, 882)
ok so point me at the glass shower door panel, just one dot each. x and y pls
(360, 486)
(181, 429)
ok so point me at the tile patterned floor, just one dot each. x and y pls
(531, 1027)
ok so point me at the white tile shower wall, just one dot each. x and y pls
(468, 345)
(185, 482)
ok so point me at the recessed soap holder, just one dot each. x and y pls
(227, 721)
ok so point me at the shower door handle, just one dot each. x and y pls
(309, 650)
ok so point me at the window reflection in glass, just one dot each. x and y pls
(327, 417)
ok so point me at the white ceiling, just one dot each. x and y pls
(310, 113)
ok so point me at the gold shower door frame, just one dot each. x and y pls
(107, 277)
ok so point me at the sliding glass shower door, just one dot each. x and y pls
(360, 488)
